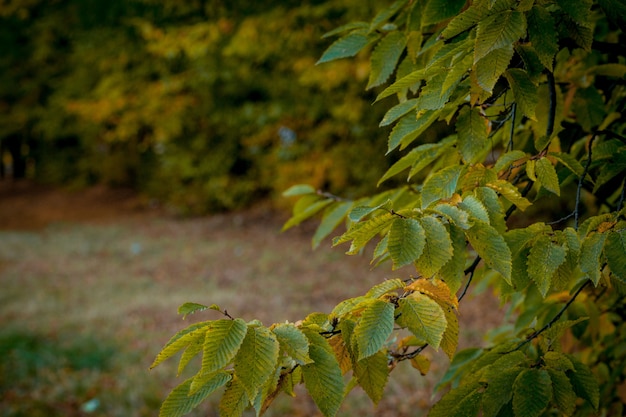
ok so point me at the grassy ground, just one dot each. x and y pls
(90, 287)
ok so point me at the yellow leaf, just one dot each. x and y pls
(435, 289)
(341, 353)
(421, 363)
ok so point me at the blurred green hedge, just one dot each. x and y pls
(203, 105)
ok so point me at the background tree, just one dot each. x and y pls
(522, 191)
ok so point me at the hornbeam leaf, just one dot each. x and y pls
(546, 174)
(299, 189)
(507, 159)
(406, 82)
(190, 308)
(345, 28)
(193, 349)
(383, 288)
(430, 154)
(361, 233)
(462, 401)
(490, 67)
(438, 248)
(374, 327)
(475, 208)
(234, 400)
(562, 391)
(490, 245)
(359, 212)
(441, 185)
(406, 241)
(544, 259)
(293, 342)
(453, 214)
(499, 391)
(372, 373)
(306, 208)
(453, 271)
(192, 334)
(471, 128)
(180, 401)
(584, 382)
(409, 128)
(386, 14)
(333, 215)
(222, 341)
(579, 10)
(450, 338)
(614, 250)
(490, 200)
(435, 289)
(256, 360)
(398, 111)
(532, 391)
(543, 35)
(423, 317)
(322, 377)
(569, 162)
(590, 252)
(466, 20)
(437, 11)
(524, 91)
(345, 47)
(498, 31)
(385, 57)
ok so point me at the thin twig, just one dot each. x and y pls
(554, 319)
(509, 147)
(470, 270)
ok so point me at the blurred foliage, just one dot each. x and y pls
(203, 105)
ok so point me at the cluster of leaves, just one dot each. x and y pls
(523, 190)
(203, 106)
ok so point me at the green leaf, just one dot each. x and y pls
(543, 35)
(490, 245)
(569, 162)
(322, 377)
(471, 128)
(385, 287)
(409, 128)
(546, 174)
(398, 111)
(293, 342)
(190, 308)
(423, 317)
(386, 13)
(306, 208)
(438, 248)
(453, 271)
(406, 241)
(345, 47)
(441, 185)
(332, 218)
(408, 81)
(590, 252)
(222, 341)
(614, 250)
(192, 334)
(579, 10)
(562, 391)
(299, 189)
(498, 31)
(256, 359)
(374, 327)
(372, 373)
(385, 57)
(463, 401)
(584, 382)
(466, 20)
(489, 197)
(499, 391)
(492, 66)
(524, 91)
(532, 391)
(359, 212)
(475, 208)
(180, 401)
(361, 233)
(543, 260)
(507, 159)
(557, 360)
(348, 27)
(430, 152)
(234, 400)
(437, 11)
(193, 349)
(450, 338)
(453, 214)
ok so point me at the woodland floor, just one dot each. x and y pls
(91, 269)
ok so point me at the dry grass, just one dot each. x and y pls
(108, 288)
